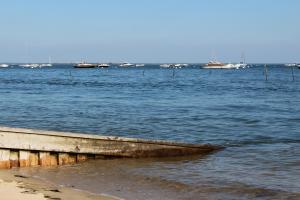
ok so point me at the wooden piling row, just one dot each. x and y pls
(20, 158)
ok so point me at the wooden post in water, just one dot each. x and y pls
(293, 73)
(70, 75)
(266, 72)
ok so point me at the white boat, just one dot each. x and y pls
(103, 65)
(218, 65)
(164, 65)
(140, 65)
(30, 65)
(240, 65)
(167, 65)
(290, 65)
(83, 64)
(46, 65)
(126, 65)
(180, 65)
(4, 65)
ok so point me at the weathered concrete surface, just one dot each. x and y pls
(28, 158)
(50, 141)
(81, 157)
(14, 158)
(48, 159)
(4, 158)
(26, 147)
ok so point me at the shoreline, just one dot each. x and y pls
(15, 186)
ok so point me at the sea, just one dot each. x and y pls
(253, 112)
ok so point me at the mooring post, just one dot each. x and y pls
(266, 72)
(293, 73)
(70, 75)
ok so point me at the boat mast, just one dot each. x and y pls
(243, 59)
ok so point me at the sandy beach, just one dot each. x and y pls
(14, 186)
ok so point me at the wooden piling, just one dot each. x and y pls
(293, 73)
(266, 72)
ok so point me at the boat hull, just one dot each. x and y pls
(85, 66)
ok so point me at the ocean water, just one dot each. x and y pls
(257, 121)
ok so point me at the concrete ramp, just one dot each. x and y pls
(26, 147)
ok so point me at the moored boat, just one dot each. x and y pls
(46, 65)
(32, 65)
(240, 65)
(290, 65)
(217, 65)
(220, 65)
(180, 65)
(167, 65)
(4, 65)
(126, 64)
(102, 65)
(85, 65)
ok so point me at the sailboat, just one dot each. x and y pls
(242, 64)
(47, 64)
(29, 65)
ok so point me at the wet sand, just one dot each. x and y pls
(154, 179)
(14, 186)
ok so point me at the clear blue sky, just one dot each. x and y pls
(149, 30)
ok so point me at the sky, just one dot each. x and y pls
(150, 31)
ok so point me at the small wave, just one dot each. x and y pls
(261, 141)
